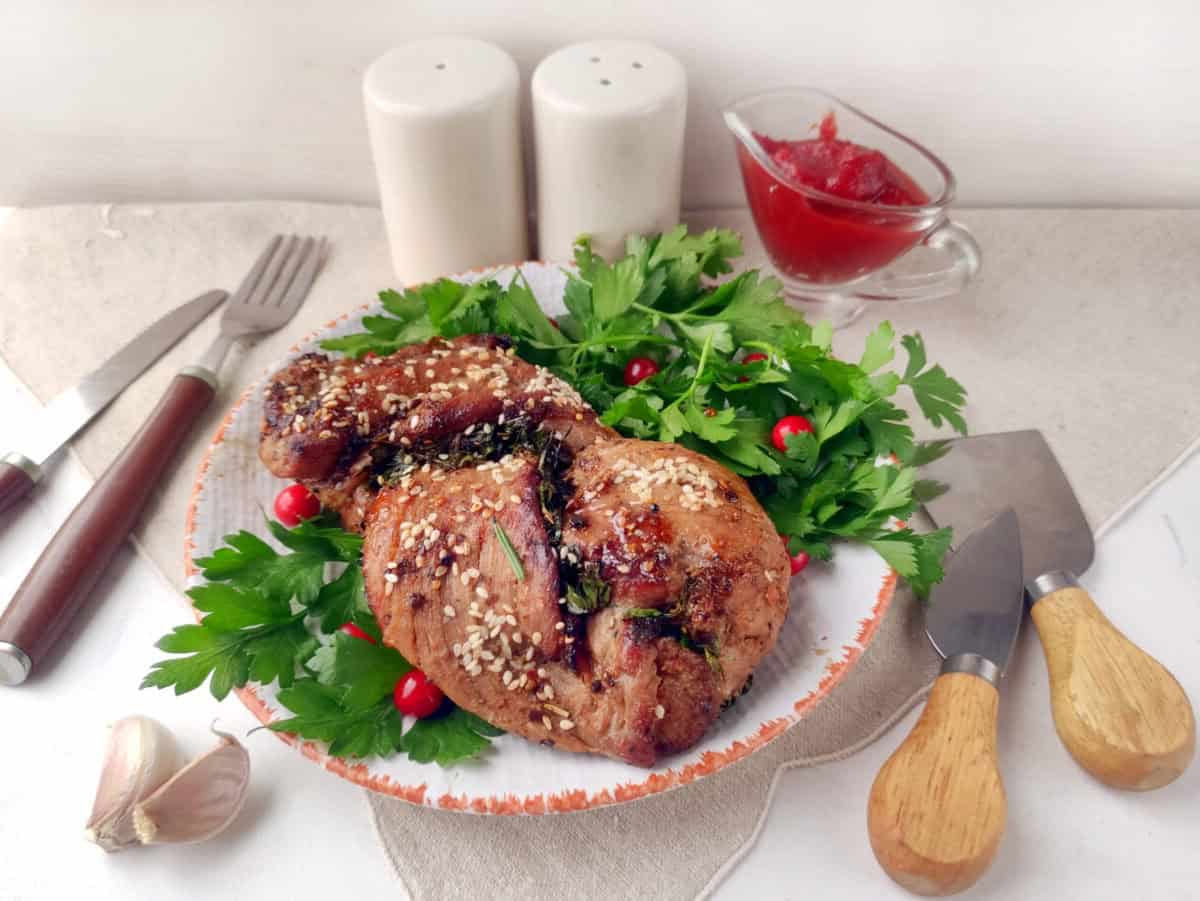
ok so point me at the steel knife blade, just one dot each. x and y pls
(74, 408)
(976, 611)
(984, 473)
(1130, 723)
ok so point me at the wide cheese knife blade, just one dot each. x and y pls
(70, 411)
(937, 808)
(1120, 713)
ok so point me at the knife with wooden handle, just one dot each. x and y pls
(1119, 712)
(69, 567)
(60, 581)
(70, 411)
(76, 557)
(937, 809)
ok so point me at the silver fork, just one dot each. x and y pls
(69, 567)
(267, 298)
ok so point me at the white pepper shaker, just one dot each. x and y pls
(608, 122)
(443, 120)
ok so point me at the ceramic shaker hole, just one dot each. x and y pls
(637, 65)
(595, 59)
(605, 81)
(440, 66)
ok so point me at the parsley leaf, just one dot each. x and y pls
(518, 314)
(446, 738)
(249, 562)
(937, 394)
(341, 601)
(365, 672)
(916, 557)
(615, 288)
(878, 352)
(257, 608)
(320, 714)
(246, 634)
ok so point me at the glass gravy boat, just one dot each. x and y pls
(832, 253)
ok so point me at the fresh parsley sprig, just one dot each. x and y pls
(267, 617)
(658, 301)
(347, 702)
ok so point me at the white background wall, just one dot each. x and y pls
(1091, 102)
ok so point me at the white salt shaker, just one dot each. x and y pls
(608, 122)
(443, 120)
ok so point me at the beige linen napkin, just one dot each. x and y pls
(1083, 324)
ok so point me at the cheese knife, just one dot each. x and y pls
(1119, 712)
(937, 808)
(74, 408)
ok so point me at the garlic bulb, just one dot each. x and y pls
(141, 756)
(200, 800)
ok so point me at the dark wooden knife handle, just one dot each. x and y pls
(15, 483)
(68, 568)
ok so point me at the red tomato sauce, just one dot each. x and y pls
(822, 241)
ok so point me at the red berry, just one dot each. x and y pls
(355, 632)
(416, 696)
(799, 562)
(639, 369)
(752, 358)
(294, 503)
(799, 559)
(789, 425)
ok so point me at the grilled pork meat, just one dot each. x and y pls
(671, 531)
(334, 425)
(683, 572)
(584, 591)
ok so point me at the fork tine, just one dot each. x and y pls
(251, 280)
(287, 273)
(304, 278)
(269, 276)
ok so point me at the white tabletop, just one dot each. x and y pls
(305, 834)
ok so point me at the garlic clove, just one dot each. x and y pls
(141, 755)
(200, 800)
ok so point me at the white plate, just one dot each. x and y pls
(835, 609)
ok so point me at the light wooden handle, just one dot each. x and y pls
(1123, 717)
(937, 808)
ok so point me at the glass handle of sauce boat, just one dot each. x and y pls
(949, 241)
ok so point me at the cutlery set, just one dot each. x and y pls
(65, 573)
(937, 809)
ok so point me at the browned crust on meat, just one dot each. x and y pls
(331, 423)
(673, 530)
(636, 694)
